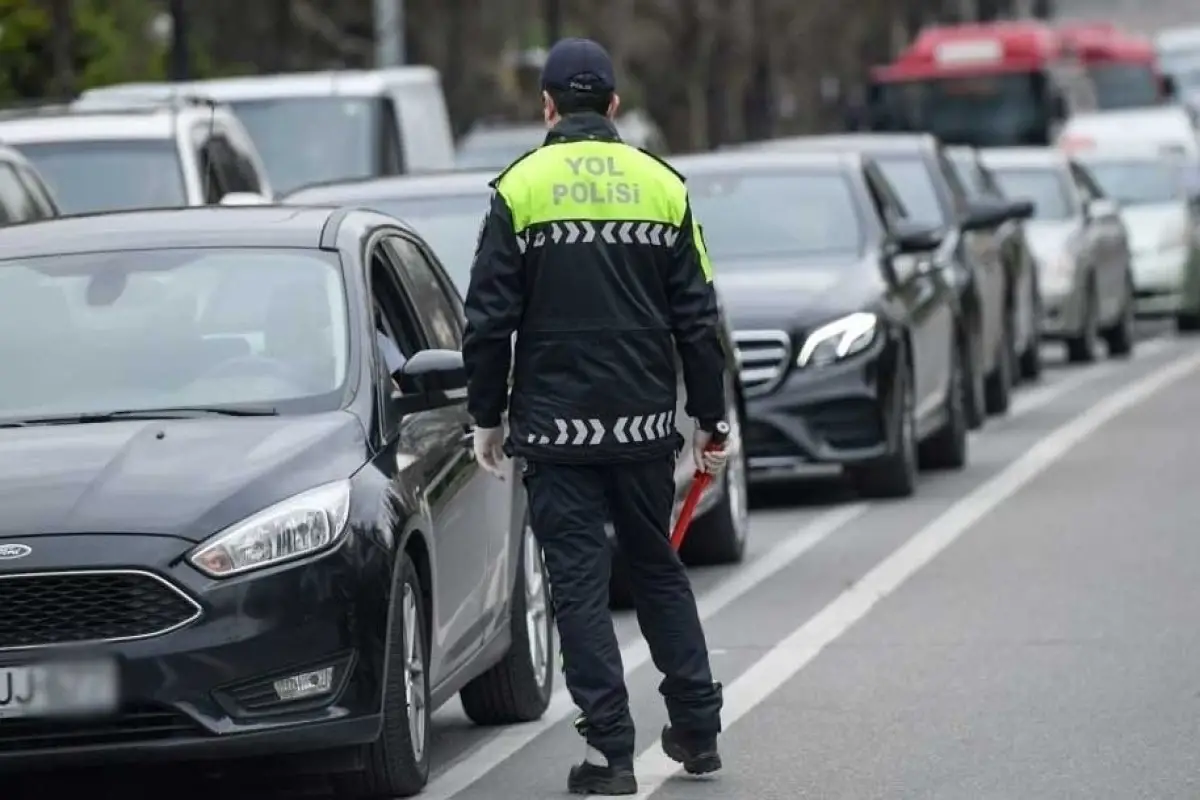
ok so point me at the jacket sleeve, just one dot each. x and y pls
(494, 305)
(695, 324)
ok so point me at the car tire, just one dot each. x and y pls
(1081, 348)
(1031, 357)
(1187, 322)
(397, 763)
(999, 385)
(947, 448)
(1120, 338)
(894, 475)
(719, 536)
(518, 688)
(976, 406)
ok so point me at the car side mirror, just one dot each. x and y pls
(910, 238)
(1101, 208)
(1020, 210)
(430, 379)
(244, 199)
(981, 216)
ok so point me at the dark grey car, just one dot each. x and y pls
(447, 210)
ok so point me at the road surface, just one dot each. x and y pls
(1023, 629)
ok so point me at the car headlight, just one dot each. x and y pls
(1059, 270)
(300, 526)
(840, 338)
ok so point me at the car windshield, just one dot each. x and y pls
(496, 149)
(913, 182)
(448, 223)
(153, 329)
(1124, 85)
(1046, 188)
(984, 111)
(306, 140)
(92, 176)
(751, 214)
(1139, 182)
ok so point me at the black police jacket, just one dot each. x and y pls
(589, 254)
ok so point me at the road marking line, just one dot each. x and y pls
(798, 649)
(1035, 398)
(462, 774)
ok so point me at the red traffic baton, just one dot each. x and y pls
(700, 482)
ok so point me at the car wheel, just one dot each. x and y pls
(998, 390)
(947, 448)
(397, 763)
(1120, 337)
(719, 537)
(976, 409)
(1031, 358)
(1081, 349)
(518, 688)
(895, 475)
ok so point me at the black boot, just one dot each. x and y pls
(611, 780)
(697, 754)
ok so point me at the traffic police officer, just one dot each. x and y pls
(590, 255)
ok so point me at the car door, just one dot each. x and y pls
(921, 290)
(470, 510)
(1108, 238)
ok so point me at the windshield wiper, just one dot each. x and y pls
(178, 412)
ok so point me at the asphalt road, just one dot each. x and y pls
(1024, 629)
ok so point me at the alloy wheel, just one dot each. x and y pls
(537, 629)
(415, 697)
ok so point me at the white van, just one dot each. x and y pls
(316, 127)
(1171, 129)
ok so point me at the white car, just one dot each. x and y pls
(121, 155)
(1170, 129)
(1159, 207)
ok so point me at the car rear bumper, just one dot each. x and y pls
(206, 689)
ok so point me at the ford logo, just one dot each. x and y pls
(10, 552)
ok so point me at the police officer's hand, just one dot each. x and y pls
(710, 461)
(489, 449)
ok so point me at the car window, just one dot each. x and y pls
(887, 204)
(1136, 182)
(758, 214)
(90, 176)
(240, 175)
(439, 317)
(17, 201)
(449, 223)
(914, 182)
(1086, 182)
(958, 192)
(40, 195)
(144, 329)
(1042, 186)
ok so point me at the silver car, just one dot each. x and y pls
(1081, 247)
(1160, 208)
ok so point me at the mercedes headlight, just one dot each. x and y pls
(842, 337)
(300, 526)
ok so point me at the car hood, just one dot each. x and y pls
(786, 294)
(1049, 239)
(187, 478)
(1150, 225)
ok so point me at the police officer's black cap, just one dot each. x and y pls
(578, 65)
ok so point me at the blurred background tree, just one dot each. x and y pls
(708, 71)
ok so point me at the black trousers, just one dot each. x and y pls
(569, 505)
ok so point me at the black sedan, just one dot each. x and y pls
(850, 346)
(918, 167)
(447, 210)
(239, 516)
(1020, 266)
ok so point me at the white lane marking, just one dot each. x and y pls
(461, 775)
(1035, 398)
(799, 648)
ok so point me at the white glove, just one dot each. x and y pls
(489, 449)
(710, 461)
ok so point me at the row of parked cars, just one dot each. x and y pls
(247, 468)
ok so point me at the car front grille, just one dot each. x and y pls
(44, 609)
(763, 358)
(131, 726)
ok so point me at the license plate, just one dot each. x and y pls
(55, 690)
